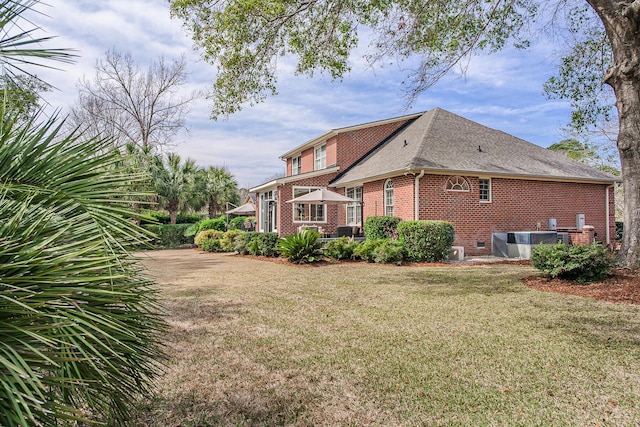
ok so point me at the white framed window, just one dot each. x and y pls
(320, 157)
(296, 165)
(484, 187)
(388, 198)
(307, 212)
(354, 210)
(457, 183)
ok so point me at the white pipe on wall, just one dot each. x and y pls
(607, 222)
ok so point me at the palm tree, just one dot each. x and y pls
(218, 187)
(78, 320)
(174, 183)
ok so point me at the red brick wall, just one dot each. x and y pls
(353, 145)
(517, 205)
(286, 226)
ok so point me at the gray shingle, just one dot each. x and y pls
(440, 141)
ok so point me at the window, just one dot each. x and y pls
(388, 198)
(306, 212)
(354, 210)
(296, 167)
(457, 183)
(320, 156)
(484, 185)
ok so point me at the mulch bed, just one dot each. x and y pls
(623, 286)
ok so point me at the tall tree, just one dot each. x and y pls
(175, 183)
(22, 93)
(244, 39)
(132, 105)
(219, 188)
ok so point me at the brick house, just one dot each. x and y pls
(438, 166)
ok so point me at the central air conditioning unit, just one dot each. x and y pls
(521, 243)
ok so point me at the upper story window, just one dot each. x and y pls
(296, 166)
(388, 198)
(484, 185)
(354, 210)
(320, 157)
(457, 183)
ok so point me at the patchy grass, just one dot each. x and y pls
(260, 343)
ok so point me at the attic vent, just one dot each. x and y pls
(457, 183)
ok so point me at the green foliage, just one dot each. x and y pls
(78, 318)
(228, 239)
(619, 230)
(301, 248)
(241, 242)
(429, 241)
(211, 245)
(381, 227)
(213, 224)
(263, 244)
(170, 235)
(582, 263)
(383, 251)
(340, 248)
(241, 222)
(207, 235)
(155, 218)
(187, 218)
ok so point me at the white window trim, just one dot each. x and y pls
(293, 206)
(323, 164)
(354, 206)
(449, 180)
(299, 168)
(490, 189)
(384, 197)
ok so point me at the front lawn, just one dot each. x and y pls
(260, 343)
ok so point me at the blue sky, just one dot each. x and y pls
(502, 91)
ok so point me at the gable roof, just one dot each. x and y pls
(439, 141)
(333, 132)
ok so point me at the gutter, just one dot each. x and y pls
(416, 192)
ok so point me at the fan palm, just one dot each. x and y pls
(218, 187)
(77, 318)
(175, 183)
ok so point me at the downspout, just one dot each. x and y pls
(416, 193)
(607, 222)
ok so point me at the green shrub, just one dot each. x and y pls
(381, 251)
(155, 218)
(213, 224)
(582, 263)
(340, 248)
(619, 230)
(207, 235)
(429, 241)
(264, 244)
(241, 242)
(211, 245)
(228, 238)
(169, 235)
(186, 218)
(381, 227)
(236, 223)
(301, 248)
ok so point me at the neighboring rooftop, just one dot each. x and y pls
(439, 141)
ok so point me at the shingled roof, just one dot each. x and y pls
(442, 142)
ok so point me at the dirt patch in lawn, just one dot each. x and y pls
(623, 286)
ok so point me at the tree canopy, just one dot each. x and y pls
(245, 38)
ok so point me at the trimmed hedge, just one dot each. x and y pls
(381, 251)
(340, 248)
(213, 224)
(582, 263)
(428, 241)
(381, 227)
(169, 235)
(207, 235)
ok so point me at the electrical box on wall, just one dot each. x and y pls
(580, 221)
(553, 224)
